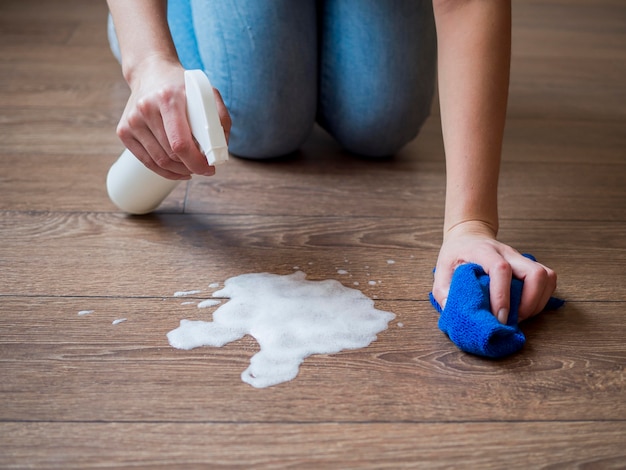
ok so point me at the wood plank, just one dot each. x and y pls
(258, 445)
(62, 183)
(563, 184)
(568, 60)
(565, 142)
(52, 10)
(573, 29)
(57, 365)
(58, 86)
(555, 88)
(111, 255)
(350, 189)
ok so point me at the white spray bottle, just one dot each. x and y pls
(137, 190)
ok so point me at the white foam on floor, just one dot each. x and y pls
(290, 317)
(209, 303)
(85, 312)
(186, 293)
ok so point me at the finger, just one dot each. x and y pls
(144, 157)
(223, 114)
(549, 289)
(535, 278)
(539, 285)
(441, 285)
(139, 138)
(500, 273)
(155, 157)
(177, 135)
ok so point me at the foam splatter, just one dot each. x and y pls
(186, 293)
(290, 317)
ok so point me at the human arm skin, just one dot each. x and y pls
(154, 124)
(474, 50)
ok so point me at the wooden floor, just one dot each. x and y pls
(79, 392)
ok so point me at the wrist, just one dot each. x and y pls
(480, 227)
(151, 66)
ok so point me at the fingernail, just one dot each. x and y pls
(503, 315)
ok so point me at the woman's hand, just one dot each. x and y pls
(475, 242)
(154, 125)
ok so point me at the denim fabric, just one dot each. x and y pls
(363, 69)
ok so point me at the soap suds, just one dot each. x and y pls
(214, 285)
(85, 312)
(185, 293)
(118, 321)
(188, 303)
(390, 261)
(209, 303)
(290, 317)
(371, 283)
(342, 271)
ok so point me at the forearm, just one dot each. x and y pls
(143, 33)
(474, 47)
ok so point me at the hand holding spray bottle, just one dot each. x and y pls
(138, 190)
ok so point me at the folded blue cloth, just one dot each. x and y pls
(467, 317)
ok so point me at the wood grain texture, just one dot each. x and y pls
(260, 445)
(80, 392)
(59, 363)
(104, 254)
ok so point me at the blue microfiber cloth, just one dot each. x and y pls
(467, 318)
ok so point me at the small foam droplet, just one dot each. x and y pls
(118, 321)
(208, 303)
(185, 293)
(85, 312)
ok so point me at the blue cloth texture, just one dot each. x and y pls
(467, 317)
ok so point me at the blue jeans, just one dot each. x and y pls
(363, 69)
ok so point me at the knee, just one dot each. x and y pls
(378, 133)
(259, 134)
